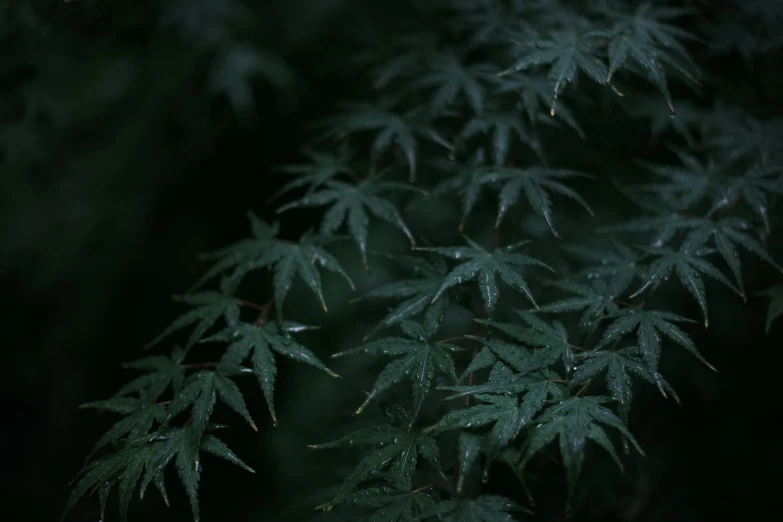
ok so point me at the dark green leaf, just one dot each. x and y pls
(350, 204)
(483, 267)
(575, 421)
(418, 359)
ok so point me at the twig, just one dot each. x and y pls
(195, 366)
(428, 486)
(483, 315)
(264, 310)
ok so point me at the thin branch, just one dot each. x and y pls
(196, 366)
(429, 486)
(264, 310)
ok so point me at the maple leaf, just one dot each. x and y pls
(649, 326)
(260, 343)
(323, 167)
(735, 135)
(665, 226)
(688, 120)
(688, 263)
(486, 22)
(683, 186)
(392, 449)
(549, 341)
(510, 403)
(502, 126)
(416, 293)
(149, 458)
(485, 508)
(200, 393)
(351, 203)
(140, 416)
(536, 182)
(575, 421)
(535, 93)
(400, 130)
(566, 53)
(727, 234)
(289, 259)
(405, 55)
(464, 179)
(484, 266)
(162, 372)
(618, 365)
(752, 187)
(449, 78)
(595, 297)
(395, 502)
(244, 255)
(775, 309)
(646, 37)
(419, 357)
(207, 309)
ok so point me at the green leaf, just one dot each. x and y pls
(449, 78)
(246, 255)
(350, 205)
(575, 421)
(595, 297)
(510, 404)
(258, 343)
(618, 365)
(207, 309)
(133, 427)
(505, 129)
(126, 465)
(323, 167)
(483, 267)
(215, 446)
(735, 135)
(468, 450)
(391, 129)
(549, 341)
(416, 293)
(394, 450)
(200, 396)
(535, 93)
(397, 502)
(418, 359)
(753, 187)
(649, 326)
(646, 38)
(141, 463)
(485, 508)
(229, 393)
(689, 265)
(681, 186)
(162, 373)
(289, 259)
(566, 53)
(775, 309)
(537, 183)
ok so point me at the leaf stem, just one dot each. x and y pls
(264, 310)
(432, 485)
(195, 366)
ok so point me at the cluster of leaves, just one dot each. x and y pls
(560, 336)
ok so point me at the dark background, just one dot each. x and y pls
(136, 135)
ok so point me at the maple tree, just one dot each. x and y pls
(508, 340)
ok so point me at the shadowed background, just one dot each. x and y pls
(136, 135)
